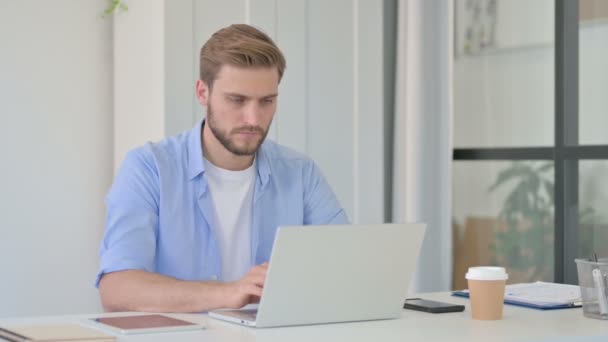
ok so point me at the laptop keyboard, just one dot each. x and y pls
(249, 314)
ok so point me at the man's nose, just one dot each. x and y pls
(252, 114)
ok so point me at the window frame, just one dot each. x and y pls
(566, 151)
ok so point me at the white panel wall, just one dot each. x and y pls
(370, 110)
(293, 103)
(180, 71)
(331, 112)
(56, 148)
(139, 93)
(331, 103)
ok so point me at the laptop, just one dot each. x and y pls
(338, 273)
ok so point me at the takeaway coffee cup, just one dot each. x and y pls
(487, 291)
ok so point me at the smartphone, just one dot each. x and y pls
(431, 306)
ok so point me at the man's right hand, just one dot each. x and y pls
(248, 289)
(138, 290)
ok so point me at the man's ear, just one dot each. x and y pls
(202, 92)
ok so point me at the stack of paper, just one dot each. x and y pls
(539, 295)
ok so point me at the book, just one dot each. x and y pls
(539, 295)
(50, 333)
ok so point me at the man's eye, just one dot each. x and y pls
(237, 99)
(271, 100)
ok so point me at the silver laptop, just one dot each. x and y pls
(339, 273)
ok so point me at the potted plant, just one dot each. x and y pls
(526, 243)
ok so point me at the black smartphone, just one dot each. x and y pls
(431, 306)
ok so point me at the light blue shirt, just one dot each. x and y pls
(160, 215)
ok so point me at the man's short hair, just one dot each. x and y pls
(239, 45)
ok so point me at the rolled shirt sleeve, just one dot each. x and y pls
(132, 217)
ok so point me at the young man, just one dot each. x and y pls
(191, 219)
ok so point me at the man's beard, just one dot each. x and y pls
(224, 137)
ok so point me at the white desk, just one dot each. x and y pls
(518, 324)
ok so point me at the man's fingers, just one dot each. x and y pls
(257, 279)
(254, 290)
(259, 269)
(254, 299)
(258, 272)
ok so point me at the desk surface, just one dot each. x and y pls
(518, 324)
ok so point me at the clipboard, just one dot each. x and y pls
(465, 294)
(539, 295)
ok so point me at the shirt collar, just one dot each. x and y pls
(263, 164)
(196, 165)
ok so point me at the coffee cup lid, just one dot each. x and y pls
(487, 273)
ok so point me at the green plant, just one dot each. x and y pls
(528, 210)
(114, 6)
(526, 245)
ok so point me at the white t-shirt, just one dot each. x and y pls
(232, 196)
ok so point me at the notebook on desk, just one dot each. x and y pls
(63, 332)
(326, 274)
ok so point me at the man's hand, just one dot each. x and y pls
(248, 289)
(138, 290)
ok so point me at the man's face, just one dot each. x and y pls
(240, 106)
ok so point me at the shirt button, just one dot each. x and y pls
(214, 277)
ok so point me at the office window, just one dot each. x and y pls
(593, 72)
(504, 73)
(530, 136)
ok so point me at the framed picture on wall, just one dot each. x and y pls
(483, 26)
(593, 10)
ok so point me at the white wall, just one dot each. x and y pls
(138, 100)
(56, 148)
